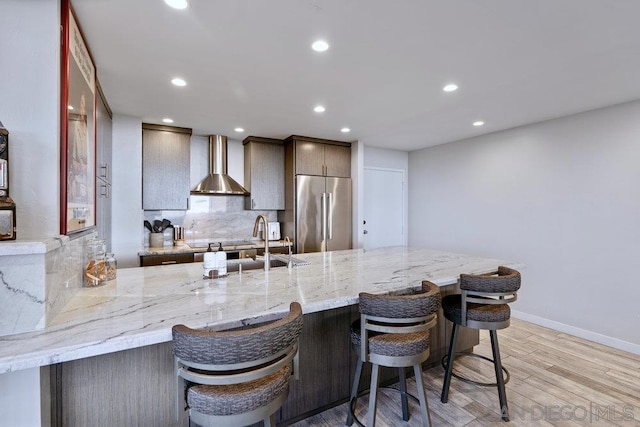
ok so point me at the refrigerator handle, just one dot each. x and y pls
(324, 216)
(330, 214)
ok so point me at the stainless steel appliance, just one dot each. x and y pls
(322, 213)
(273, 232)
(218, 182)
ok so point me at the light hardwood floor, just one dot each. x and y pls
(556, 380)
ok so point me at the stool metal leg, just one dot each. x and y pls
(422, 396)
(354, 391)
(444, 397)
(270, 421)
(504, 409)
(373, 394)
(403, 394)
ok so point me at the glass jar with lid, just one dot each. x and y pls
(112, 266)
(95, 272)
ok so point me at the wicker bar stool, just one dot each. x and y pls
(482, 304)
(393, 331)
(237, 377)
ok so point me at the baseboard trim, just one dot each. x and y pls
(582, 333)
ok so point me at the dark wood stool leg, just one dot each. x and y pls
(504, 409)
(403, 394)
(444, 397)
(354, 391)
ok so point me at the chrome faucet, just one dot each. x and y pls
(266, 238)
(287, 242)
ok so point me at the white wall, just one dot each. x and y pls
(384, 158)
(357, 178)
(563, 197)
(20, 399)
(29, 109)
(127, 215)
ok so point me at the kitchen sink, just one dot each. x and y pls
(251, 264)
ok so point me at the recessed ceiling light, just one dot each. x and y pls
(239, 130)
(319, 109)
(450, 87)
(345, 130)
(178, 82)
(177, 4)
(167, 120)
(320, 46)
(70, 107)
(478, 123)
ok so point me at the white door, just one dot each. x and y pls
(384, 218)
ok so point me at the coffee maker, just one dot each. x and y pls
(7, 207)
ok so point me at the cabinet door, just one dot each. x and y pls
(337, 161)
(309, 158)
(165, 169)
(264, 175)
(150, 260)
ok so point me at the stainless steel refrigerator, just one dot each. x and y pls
(322, 213)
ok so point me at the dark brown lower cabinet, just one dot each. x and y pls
(136, 387)
(149, 260)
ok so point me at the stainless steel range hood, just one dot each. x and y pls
(218, 182)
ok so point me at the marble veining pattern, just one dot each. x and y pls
(37, 279)
(142, 304)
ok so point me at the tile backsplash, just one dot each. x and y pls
(211, 218)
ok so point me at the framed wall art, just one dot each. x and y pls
(78, 129)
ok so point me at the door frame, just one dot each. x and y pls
(405, 199)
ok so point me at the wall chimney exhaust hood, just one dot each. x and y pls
(218, 182)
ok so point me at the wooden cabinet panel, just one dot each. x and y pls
(324, 364)
(126, 388)
(309, 158)
(337, 160)
(264, 173)
(165, 167)
(320, 157)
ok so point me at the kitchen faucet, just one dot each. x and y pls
(266, 237)
(287, 241)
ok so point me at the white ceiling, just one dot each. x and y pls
(248, 63)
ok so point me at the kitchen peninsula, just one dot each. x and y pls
(114, 339)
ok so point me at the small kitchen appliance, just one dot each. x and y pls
(7, 206)
(273, 231)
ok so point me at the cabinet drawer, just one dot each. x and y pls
(149, 260)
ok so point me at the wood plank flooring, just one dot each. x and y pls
(556, 380)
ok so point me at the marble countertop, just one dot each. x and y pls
(201, 246)
(141, 305)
